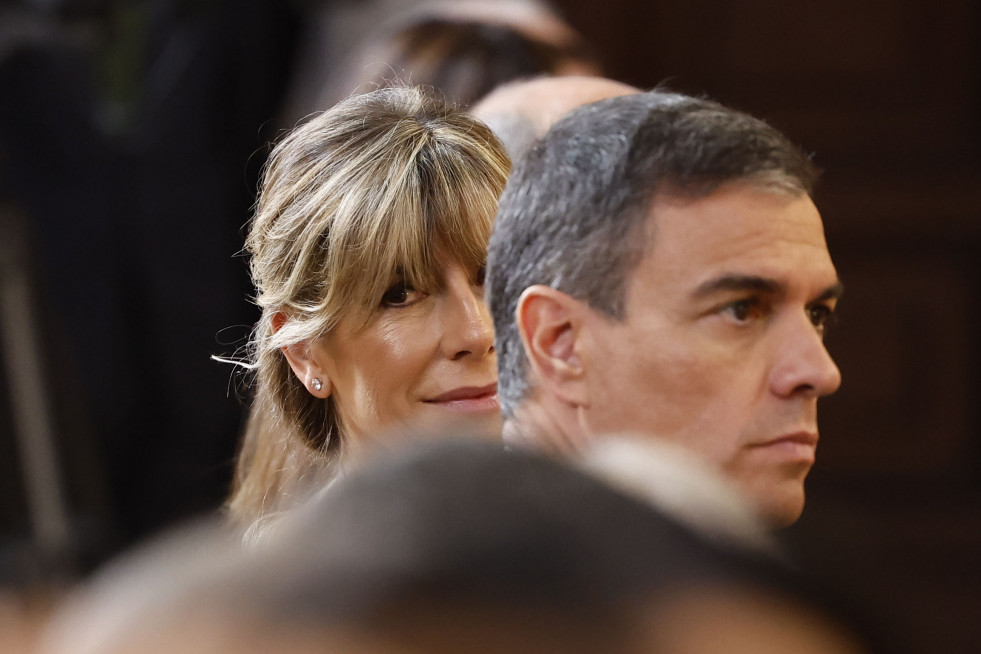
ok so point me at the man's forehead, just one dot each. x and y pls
(732, 210)
(737, 232)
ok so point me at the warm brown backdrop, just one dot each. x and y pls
(886, 94)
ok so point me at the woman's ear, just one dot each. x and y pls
(549, 322)
(305, 361)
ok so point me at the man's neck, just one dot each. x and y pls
(535, 427)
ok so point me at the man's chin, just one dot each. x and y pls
(782, 508)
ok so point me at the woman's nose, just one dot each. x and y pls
(468, 329)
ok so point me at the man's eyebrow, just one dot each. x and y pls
(730, 283)
(726, 283)
(833, 292)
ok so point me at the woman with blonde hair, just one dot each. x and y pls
(367, 250)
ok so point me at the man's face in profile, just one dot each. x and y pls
(721, 348)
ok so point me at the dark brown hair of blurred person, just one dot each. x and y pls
(466, 59)
(464, 49)
(453, 546)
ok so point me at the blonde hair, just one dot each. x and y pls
(383, 185)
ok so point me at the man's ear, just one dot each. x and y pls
(304, 362)
(550, 322)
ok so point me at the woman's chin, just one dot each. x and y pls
(474, 417)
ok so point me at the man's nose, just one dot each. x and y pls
(803, 365)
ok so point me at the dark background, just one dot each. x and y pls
(129, 244)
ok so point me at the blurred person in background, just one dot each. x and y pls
(367, 251)
(463, 48)
(126, 138)
(521, 112)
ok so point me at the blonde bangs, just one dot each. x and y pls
(436, 203)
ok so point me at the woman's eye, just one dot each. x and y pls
(397, 295)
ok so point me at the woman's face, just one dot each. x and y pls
(422, 361)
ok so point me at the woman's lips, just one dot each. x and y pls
(468, 398)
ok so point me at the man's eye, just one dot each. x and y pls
(821, 316)
(399, 294)
(743, 310)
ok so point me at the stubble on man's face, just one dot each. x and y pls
(721, 346)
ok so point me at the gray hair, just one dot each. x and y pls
(573, 211)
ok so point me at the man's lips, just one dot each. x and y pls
(801, 437)
(800, 445)
(468, 398)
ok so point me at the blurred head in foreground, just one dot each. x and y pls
(448, 547)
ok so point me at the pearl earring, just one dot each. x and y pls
(317, 384)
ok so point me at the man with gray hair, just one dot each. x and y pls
(658, 269)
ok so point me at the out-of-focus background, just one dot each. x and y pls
(131, 136)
